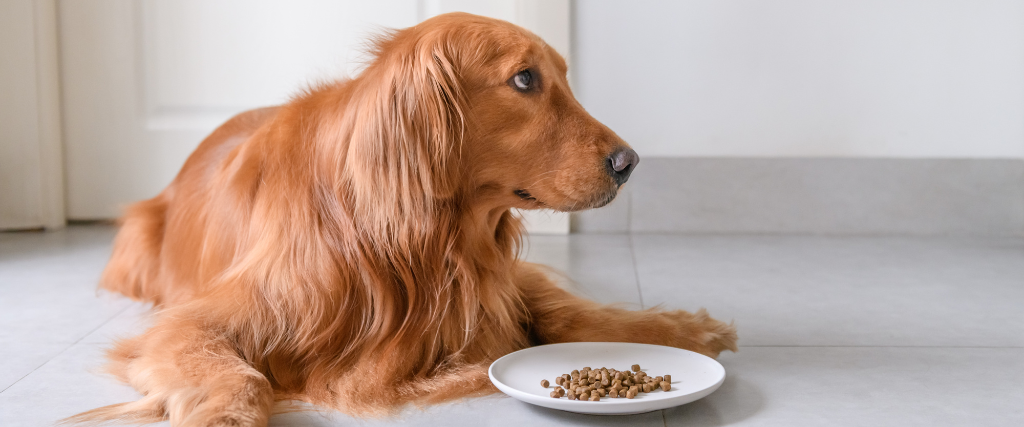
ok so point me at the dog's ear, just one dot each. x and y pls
(407, 136)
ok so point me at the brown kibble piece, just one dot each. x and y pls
(595, 384)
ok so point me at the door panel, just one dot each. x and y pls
(144, 81)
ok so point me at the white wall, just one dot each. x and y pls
(853, 78)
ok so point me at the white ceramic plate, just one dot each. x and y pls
(693, 375)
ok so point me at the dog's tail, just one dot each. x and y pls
(142, 411)
(135, 261)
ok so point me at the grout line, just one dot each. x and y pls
(664, 423)
(636, 270)
(629, 212)
(68, 347)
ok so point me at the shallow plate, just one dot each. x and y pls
(693, 375)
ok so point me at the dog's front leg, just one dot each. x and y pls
(558, 316)
(191, 374)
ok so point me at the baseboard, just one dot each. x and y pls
(818, 196)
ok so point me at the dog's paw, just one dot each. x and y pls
(700, 333)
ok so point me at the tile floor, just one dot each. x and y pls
(834, 331)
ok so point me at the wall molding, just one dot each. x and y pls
(845, 196)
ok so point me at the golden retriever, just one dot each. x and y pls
(354, 247)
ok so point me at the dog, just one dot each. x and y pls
(354, 248)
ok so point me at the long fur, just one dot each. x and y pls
(354, 248)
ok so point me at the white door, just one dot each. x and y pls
(143, 82)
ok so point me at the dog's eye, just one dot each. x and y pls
(523, 80)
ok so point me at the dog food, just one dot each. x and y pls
(594, 384)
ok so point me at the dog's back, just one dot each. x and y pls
(138, 254)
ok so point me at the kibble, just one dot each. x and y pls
(595, 384)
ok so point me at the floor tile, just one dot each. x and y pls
(68, 384)
(894, 331)
(133, 320)
(20, 360)
(848, 386)
(48, 298)
(72, 383)
(48, 282)
(599, 266)
(784, 290)
(496, 410)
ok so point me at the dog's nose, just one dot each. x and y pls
(621, 163)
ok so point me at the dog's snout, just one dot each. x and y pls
(621, 163)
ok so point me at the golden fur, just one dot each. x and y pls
(362, 233)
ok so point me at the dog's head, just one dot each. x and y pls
(472, 104)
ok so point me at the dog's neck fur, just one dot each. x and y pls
(427, 281)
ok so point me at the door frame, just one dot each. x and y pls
(37, 159)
